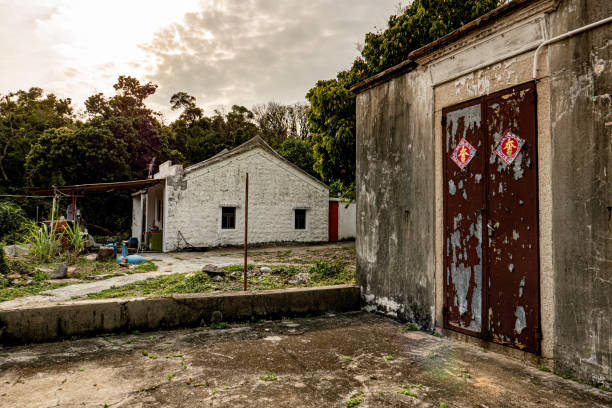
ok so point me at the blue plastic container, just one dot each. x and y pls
(132, 259)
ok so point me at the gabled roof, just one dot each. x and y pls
(251, 144)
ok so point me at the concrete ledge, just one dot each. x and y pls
(82, 318)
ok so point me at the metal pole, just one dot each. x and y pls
(74, 212)
(246, 226)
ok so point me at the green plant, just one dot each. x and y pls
(45, 243)
(544, 368)
(406, 392)
(388, 358)
(75, 238)
(347, 358)
(12, 222)
(4, 269)
(443, 405)
(326, 269)
(268, 377)
(355, 400)
(40, 276)
(218, 326)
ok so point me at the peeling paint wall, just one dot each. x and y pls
(581, 126)
(400, 188)
(395, 252)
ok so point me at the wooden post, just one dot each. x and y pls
(74, 211)
(246, 226)
(53, 206)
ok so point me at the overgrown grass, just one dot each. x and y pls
(12, 292)
(148, 266)
(321, 274)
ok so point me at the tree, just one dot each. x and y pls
(299, 152)
(332, 112)
(24, 115)
(12, 222)
(85, 155)
(130, 120)
(191, 112)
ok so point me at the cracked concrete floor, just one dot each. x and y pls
(309, 362)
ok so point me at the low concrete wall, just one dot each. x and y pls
(20, 326)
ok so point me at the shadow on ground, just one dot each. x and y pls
(308, 362)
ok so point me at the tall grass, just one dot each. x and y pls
(45, 244)
(75, 238)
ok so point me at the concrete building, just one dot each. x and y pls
(203, 204)
(504, 237)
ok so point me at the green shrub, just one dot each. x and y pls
(40, 276)
(4, 269)
(13, 222)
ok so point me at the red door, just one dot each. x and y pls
(491, 255)
(333, 221)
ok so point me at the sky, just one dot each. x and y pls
(223, 52)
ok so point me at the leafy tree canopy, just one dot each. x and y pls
(332, 112)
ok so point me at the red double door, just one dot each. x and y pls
(491, 254)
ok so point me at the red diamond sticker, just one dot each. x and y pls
(509, 146)
(463, 153)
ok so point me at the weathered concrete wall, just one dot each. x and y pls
(581, 127)
(395, 195)
(90, 317)
(276, 189)
(136, 216)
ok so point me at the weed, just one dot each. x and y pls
(409, 327)
(128, 341)
(148, 388)
(148, 266)
(604, 388)
(219, 326)
(432, 355)
(388, 358)
(544, 368)
(144, 353)
(171, 376)
(355, 399)
(269, 377)
(326, 269)
(135, 332)
(443, 405)
(40, 276)
(436, 334)
(406, 392)
(177, 355)
(4, 355)
(347, 358)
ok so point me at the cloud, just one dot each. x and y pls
(254, 51)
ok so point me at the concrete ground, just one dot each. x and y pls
(308, 362)
(185, 262)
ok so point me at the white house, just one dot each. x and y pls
(203, 205)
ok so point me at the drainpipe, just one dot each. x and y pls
(564, 36)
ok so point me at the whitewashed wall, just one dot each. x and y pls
(347, 219)
(195, 198)
(136, 216)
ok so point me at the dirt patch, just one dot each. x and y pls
(285, 363)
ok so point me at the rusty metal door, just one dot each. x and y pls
(491, 264)
(512, 229)
(465, 194)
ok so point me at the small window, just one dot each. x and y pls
(300, 219)
(228, 217)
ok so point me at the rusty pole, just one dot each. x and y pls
(246, 225)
